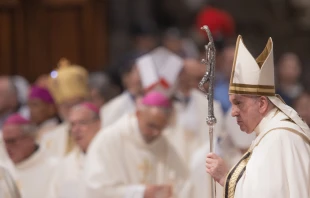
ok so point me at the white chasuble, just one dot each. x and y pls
(276, 165)
(190, 131)
(67, 180)
(119, 164)
(58, 142)
(8, 188)
(117, 108)
(45, 127)
(33, 176)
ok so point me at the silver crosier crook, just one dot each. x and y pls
(209, 78)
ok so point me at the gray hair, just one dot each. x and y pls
(80, 106)
(101, 82)
(256, 97)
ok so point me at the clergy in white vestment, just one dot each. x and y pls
(101, 88)
(189, 129)
(231, 145)
(29, 164)
(68, 86)
(191, 137)
(277, 163)
(126, 101)
(43, 112)
(132, 159)
(8, 188)
(156, 70)
(85, 123)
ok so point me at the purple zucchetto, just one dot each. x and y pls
(41, 93)
(156, 99)
(16, 119)
(90, 106)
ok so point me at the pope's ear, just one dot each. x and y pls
(263, 104)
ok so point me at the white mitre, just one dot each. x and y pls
(159, 70)
(252, 76)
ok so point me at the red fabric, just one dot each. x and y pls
(164, 83)
(218, 21)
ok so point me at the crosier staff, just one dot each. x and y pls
(209, 78)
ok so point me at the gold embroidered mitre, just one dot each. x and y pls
(252, 76)
(68, 82)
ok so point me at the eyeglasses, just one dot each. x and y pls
(83, 122)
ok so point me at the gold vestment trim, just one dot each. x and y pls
(234, 175)
(238, 170)
(264, 90)
(252, 86)
(257, 92)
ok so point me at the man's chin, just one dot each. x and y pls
(242, 129)
(150, 140)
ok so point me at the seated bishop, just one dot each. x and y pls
(43, 112)
(68, 86)
(85, 123)
(30, 165)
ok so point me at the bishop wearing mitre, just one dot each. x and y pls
(68, 86)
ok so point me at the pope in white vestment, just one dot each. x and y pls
(123, 161)
(279, 164)
(278, 161)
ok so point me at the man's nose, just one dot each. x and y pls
(234, 112)
(74, 130)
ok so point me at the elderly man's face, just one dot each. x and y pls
(246, 111)
(40, 111)
(18, 145)
(152, 122)
(84, 126)
(65, 107)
